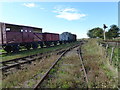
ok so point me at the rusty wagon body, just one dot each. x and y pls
(13, 37)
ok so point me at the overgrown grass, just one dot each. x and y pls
(66, 74)
(31, 52)
(100, 73)
(115, 59)
(28, 76)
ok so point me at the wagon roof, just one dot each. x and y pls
(49, 33)
(20, 25)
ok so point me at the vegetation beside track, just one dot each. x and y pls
(28, 76)
(31, 52)
(115, 59)
(66, 74)
(109, 45)
(100, 73)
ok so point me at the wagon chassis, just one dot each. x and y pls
(31, 49)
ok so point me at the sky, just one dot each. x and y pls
(58, 17)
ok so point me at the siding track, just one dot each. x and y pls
(5, 65)
(38, 85)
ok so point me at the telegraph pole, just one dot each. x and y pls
(104, 26)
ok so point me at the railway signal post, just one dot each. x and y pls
(104, 26)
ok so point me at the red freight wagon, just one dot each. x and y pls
(47, 37)
(50, 38)
(13, 36)
(55, 37)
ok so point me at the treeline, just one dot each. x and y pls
(97, 32)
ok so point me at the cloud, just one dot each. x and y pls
(30, 5)
(68, 14)
(42, 8)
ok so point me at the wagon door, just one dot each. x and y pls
(27, 35)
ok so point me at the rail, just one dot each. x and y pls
(46, 74)
(23, 60)
(83, 67)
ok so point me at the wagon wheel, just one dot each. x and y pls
(15, 48)
(60, 42)
(41, 45)
(55, 43)
(8, 48)
(28, 46)
(34, 45)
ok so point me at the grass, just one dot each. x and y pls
(115, 59)
(28, 76)
(66, 74)
(31, 52)
(100, 73)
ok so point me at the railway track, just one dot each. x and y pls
(111, 41)
(38, 85)
(83, 66)
(6, 65)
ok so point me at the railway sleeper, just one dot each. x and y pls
(4, 64)
(39, 58)
(17, 65)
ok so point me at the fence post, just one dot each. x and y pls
(106, 50)
(112, 54)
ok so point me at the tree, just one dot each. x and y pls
(95, 33)
(113, 32)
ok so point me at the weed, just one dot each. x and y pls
(99, 72)
(29, 73)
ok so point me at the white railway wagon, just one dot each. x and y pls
(67, 36)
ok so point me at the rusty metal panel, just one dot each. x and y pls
(38, 37)
(50, 37)
(46, 37)
(28, 35)
(14, 37)
(55, 37)
(2, 33)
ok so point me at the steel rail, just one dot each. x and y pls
(46, 74)
(27, 59)
(83, 67)
(112, 41)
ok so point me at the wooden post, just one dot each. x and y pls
(106, 50)
(112, 54)
(104, 34)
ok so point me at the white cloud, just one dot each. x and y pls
(68, 14)
(42, 8)
(30, 5)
